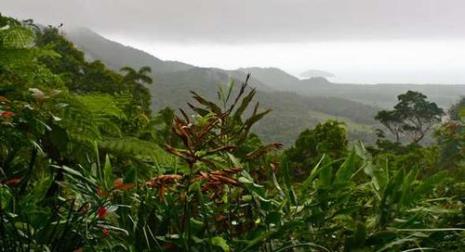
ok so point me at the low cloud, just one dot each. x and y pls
(236, 21)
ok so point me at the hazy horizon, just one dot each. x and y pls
(401, 62)
(359, 41)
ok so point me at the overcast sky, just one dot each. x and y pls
(420, 41)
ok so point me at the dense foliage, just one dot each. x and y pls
(326, 139)
(86, 166)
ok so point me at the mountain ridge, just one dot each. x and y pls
(299, 103)
(174, 80)
(84, 37)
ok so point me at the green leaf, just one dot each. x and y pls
(130, 176)
(314, 173)
(396, 243)
(59, 138)
(108, 173)
(212, 106)
(273, 217)
(326, 175)
(428, 184)
(346, 170)
(17, 37)
(5, 196)
(244, 104)
(235, 161)
(220, 242)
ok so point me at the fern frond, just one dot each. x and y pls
(134, 147)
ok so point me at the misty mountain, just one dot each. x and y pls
(116, 55)
(273, 77)
(291, 114)
(297, 104)
(280, 80)
(379, 95)
(385, 95)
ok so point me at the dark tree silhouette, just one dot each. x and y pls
(137, 79)
(413, 116)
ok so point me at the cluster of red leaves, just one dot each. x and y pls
(118, 184)
(163, 182)
(216, 180)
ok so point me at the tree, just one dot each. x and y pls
(139, 76)
(450, 137)
(79, 75)
(413, 116)
(327, 138)
(455, 112)
(136, 81)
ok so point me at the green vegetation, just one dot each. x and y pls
(86, 166)
(325, 140)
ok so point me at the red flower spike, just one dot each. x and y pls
(102, 212)
(106, 232)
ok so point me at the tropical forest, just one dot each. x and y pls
(106, 148)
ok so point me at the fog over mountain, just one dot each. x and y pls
(359, 41)
(316, 73)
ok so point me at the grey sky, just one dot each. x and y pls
(253, 20)
(361, 41)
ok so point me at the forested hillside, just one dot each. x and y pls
(317, 99)
(90, 162)
(173, 80)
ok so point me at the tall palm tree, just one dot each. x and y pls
(139, 76)
(137, 79)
